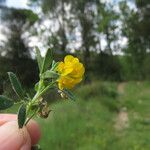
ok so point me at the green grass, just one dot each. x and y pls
(80, 125)
(136, 99)
(88, 123)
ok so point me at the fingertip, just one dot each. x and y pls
(34, 131)
(32, 127)
(13, 138)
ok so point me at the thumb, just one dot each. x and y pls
(13, 138)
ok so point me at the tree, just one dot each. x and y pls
(78, 16)
(17, 54)
(136, 29)
(91, 18)
(107, 25)
(17, 21)
(84, 11)
(57, 13)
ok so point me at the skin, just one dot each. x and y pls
(12, 138)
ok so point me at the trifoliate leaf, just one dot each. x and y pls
(69, 94)
(16, 85)
(21, 115)
(47, 60)
(5, 102)
(39, 58)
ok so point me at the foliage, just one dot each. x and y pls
(106, 67)
(17, 56)
(50, 74)
(89, 123)
(136, 30)
(95, 21)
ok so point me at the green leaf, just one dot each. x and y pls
(21, 115)
(47, 60)
(69, 94)
(54, 65)
(49, 74)
(5, 102)
(39, 58)
(16, 85)
(36, 86)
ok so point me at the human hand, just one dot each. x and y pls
(13, 138)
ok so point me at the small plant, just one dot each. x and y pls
(61, 76)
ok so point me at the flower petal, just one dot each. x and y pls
(71, 72)
(68, 58)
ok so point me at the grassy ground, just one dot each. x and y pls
(90, 122)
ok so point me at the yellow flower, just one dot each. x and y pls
(71, 72)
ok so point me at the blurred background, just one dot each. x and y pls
(112, 39)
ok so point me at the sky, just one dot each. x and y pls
(17, 3)
(23, 3)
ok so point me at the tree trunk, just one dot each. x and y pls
(86, 58)
(108, 43)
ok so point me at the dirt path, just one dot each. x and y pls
(122, 120)
(121, 87)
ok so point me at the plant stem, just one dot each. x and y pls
(38, 94)
(35, 99)
(47, 88)
(30, 117)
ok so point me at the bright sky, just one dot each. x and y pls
(17, 3)
(23, 3)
